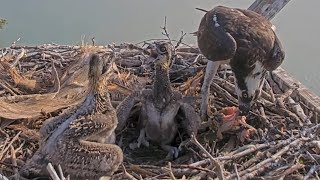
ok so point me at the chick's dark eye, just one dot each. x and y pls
(163, 49)
(256, 74)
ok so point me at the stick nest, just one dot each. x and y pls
(37, 82)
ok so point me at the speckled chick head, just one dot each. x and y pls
(162, 53)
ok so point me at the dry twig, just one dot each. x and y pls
(218, 166)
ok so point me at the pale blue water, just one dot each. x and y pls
(65, 21)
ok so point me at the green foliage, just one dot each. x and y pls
(2, 23)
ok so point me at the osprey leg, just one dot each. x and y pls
(211, 70)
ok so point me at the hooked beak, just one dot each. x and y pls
(244, 108)
(153, 53)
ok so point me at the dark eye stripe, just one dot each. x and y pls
(256, 74)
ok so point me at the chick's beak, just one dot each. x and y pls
(153, 53)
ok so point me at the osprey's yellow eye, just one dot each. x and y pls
(244, 94)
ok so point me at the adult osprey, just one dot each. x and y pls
(245, 40)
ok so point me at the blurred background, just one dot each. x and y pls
(65, 21)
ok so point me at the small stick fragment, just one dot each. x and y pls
(139, 170)
(57, 83)
(164, 28)
(299, 111)
(253, 170)
(269, 90)
(52, 172)
(200, 163)
(129, 176)
(191, 167)
(180, 39)
(93, 41)
(14, 163)
(213, 160)
(61, 172)
(14, 42)
(312, 170)
(193, 63)
(16, 60)
(200, 9)
(263, 115)
(2, 177)
(280, 98)
(9, 145)
(236, 170)
(170, 172)
(290, 170)
(8, 89)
